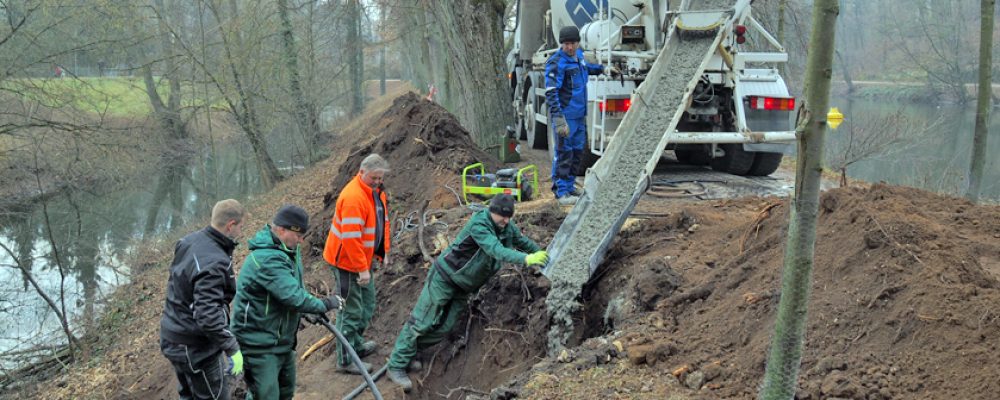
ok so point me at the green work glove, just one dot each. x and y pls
(537, 258)
(236, 363)
(562, 129)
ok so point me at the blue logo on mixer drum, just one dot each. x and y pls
(583, 11)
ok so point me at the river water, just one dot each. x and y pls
(95, 232)
(920, 145)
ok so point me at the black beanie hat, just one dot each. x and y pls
(502, 205)
(569, 34)
(292, 217)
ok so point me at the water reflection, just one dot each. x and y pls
(93, 232)
(932, 152)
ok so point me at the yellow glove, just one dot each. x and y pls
(236, 363)
(537, 258)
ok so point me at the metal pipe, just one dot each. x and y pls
(731, 137)
(760, 29)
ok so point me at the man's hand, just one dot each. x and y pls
(236, 363)
(612, 70)
(364, 278)
(537, 258)
(562, 129)
(334, 302)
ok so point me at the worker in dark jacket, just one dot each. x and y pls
(194, 328)
(270, 296)
(487, 240)
(566, 76)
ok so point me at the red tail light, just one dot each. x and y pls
(615, 105)
(772, 103)
(740, 30)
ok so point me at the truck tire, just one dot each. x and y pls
(692, 156)
(536, 132)
(587, 160)
(736, 161)
(765, 164)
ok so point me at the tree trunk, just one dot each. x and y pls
(782, 6)
(305, 113)
(175, 160)
(356, 48)
(984, 94)
(243, 106)
(845, 70)
(472, 32)
(785, 357)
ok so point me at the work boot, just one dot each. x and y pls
(367, 348)
(415, 366)
(353, 368)
(568, 200)
(577, 192)
(400, 378)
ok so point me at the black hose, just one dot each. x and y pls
(361, 388)
(322, 319)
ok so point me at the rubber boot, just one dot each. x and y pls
(400, 378)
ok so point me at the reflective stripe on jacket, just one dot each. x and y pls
(351, 242)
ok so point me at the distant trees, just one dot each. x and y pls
(458, 47)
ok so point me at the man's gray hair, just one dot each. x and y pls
(374, 162)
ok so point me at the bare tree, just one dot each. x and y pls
(306, 117)
(983, 97)
(873, 134)
(355, 42)
(782, 371)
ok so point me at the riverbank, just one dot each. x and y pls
(682, 308)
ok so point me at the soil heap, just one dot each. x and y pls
(903, 303)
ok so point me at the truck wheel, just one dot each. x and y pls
(536, 132)
(736, 161)
(765, 164)
(693, 156)
(587, 160)
(522, 130)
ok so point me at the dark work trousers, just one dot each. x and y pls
(201, 374)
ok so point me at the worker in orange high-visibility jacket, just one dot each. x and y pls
(357, 242)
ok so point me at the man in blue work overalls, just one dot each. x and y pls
(566, 75)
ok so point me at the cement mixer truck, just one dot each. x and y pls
(739, 120)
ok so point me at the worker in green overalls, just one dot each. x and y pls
(487, 240)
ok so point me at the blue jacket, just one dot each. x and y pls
(566, 83)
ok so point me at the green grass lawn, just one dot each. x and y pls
(112, 96)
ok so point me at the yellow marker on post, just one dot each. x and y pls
(834, 118)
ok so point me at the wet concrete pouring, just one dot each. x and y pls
(632, 150)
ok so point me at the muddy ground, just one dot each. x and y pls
(903, 303)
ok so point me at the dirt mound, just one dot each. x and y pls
(426, 148)
(501, 334)
(902, 305)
